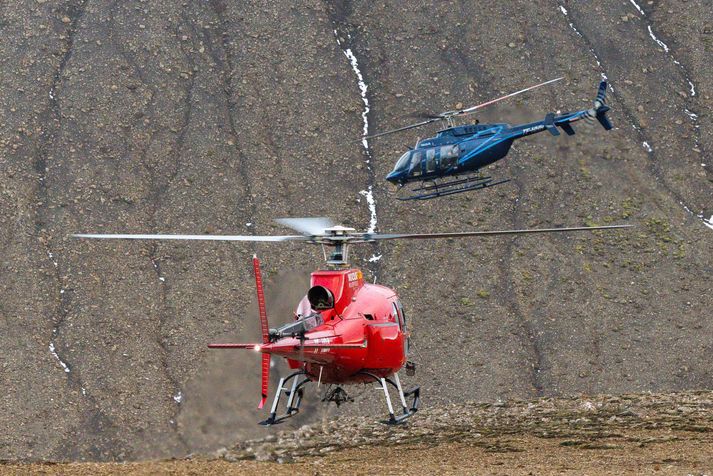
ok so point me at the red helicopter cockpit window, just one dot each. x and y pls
(396, 315)
(304, 308)
(402, 314)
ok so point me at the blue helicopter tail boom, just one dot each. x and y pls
(552, 122)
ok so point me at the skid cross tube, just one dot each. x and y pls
(396, 383)
(295, 390)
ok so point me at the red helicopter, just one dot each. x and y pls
(345, 331)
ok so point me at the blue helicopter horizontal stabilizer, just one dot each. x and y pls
(550, 124)
(567, 127)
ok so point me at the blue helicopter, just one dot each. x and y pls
(464, 149)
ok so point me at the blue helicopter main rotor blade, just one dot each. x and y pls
(405, 128)
(445, 115)
(472, 109)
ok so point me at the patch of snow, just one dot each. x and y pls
(638, 8)
(591, 50)
(158, 270)
(53, 351)
(571, 25)
(372, 208)
(51, 257)
(363, 89)
(375, 258)
(709, 222)
(178, 398)
(693, 88)
(647, 147)
(248, 224)
(660, 43)
(692, 115)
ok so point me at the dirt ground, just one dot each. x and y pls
(602, 435)
(636, 452)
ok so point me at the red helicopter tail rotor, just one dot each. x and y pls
(265, 330)
(265, 367)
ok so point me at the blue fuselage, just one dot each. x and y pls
(468, 148)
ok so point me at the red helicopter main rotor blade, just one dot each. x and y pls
(426, 236)
(193, 237)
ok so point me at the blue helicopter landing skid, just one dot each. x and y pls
(452, 187)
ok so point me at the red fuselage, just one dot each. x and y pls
(368, 317)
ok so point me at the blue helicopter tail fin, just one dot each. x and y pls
(550, 124)
(601, 108)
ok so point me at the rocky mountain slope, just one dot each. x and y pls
(627, 434)
(216, 117)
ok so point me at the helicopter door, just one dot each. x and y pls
(416, 159)
(431, 160)
(449, 156)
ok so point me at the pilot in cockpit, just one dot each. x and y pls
(308, 317)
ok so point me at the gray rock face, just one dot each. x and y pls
(215, 117)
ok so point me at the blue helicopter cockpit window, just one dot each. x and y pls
(416, 158)
(403, 162)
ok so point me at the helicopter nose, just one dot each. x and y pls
(393, 177)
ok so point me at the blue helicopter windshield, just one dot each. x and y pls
(402, 163)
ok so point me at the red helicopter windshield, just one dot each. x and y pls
(304, 308)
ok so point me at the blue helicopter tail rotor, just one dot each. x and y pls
(600, 107)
